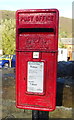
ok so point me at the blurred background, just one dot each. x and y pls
(65, 82)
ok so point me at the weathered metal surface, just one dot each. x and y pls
(36, 31)
(37, 42)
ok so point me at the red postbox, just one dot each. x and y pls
(36, 58)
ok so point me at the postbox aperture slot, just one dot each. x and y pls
(51, 30)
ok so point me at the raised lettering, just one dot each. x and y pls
(36, 18)
(32, 18)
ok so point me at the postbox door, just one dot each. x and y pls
(44, 94)
(36, 59)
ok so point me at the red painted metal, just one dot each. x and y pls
(36, 31)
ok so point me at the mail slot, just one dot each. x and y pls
(36, 58)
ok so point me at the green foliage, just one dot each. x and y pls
(8, 36)
(61, 45)
(63, 34)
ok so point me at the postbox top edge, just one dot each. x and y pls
(37, 10)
